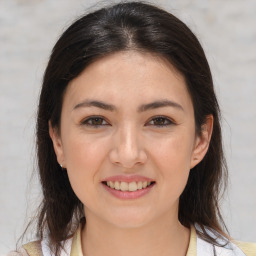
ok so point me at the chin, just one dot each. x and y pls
(130, 219)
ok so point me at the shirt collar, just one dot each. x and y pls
(76, 248)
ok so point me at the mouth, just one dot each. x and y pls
(128, 186)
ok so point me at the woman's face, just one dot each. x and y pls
(128, 140)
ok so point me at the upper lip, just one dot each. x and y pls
(127, 178)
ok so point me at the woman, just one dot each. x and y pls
(129, 141)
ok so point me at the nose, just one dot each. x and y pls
(126, 151)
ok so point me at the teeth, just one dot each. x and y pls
(111, 184)
(131, 186)
(124, 186)
(117, 185)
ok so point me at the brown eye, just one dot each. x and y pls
(94, 121)
(160, 121)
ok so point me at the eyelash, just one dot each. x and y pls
(91, 119)
(162, 118)
(95, 118)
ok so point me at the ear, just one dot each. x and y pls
(202, 142)
(57, 144)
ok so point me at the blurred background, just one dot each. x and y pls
(28, 31)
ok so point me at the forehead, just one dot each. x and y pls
(129, 77)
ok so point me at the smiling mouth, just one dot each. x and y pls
(128, 186)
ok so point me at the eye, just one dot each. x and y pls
(160, 121)
(95, 121)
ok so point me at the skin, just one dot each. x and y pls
(127, 142)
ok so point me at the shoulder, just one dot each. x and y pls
(229, 248)
(223, 246)
(42, 247)
(29, 249)
(248, 248)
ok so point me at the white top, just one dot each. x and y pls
(197, 245)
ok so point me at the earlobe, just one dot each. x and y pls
(57, 144)
(202, 142)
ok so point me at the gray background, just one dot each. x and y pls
(28, 30)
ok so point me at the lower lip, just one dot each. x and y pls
(129, 194)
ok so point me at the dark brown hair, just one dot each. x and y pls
(123, 27)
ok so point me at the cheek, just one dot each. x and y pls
(174, 152)
(172, 158)
(82, 153)
(83, 161)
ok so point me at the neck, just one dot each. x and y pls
(162, 238)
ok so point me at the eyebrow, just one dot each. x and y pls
(97, 104)
(160, 104)
(142, 108)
